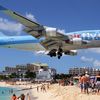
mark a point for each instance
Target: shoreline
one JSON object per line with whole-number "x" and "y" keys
{"x": 55, "y": 92}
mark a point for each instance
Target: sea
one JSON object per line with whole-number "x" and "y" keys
{"x": 6, "y": 93}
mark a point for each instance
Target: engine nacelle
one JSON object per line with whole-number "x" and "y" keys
{"x": 51, "y": 32}
{"x": 76, "y": 41}
{"x": 71, "y": 52}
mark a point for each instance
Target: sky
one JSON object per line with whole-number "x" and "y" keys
{"x": 67, "y": 15}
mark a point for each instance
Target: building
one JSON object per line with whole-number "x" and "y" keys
{"x": 43, "y": 72}
{"x": 52, "y": 71}
{"x": 45, "y": 75}
{"x": 33, "y": 67}
{"x": 83, "y": 70}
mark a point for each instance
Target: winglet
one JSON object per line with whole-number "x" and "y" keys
{"x": 2, "y": 8}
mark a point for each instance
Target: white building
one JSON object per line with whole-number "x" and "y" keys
{"x": 83, "y": 70}
{"x": 44, "y": 75}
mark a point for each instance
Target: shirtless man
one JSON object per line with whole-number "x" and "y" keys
{"x": 14, "y": 97}
{"x": 81, "y": 83}
{"x": 86, "y": 83}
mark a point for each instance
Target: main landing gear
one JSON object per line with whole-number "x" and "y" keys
{"x": 54, "y": 53}
{"x": 59, "y": 53}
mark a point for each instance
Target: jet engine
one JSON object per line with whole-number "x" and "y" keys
{"x": 76, "y": 41}
{"x": 51, "y": 32}
{"x": 71, "y": 52}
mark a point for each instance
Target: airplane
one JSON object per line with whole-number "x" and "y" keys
{"x": 48, "y": 39}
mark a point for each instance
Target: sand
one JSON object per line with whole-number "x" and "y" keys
{"x": 55, "y": 92}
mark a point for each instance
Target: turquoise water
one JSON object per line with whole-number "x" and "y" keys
{"x": 5, "y": 93}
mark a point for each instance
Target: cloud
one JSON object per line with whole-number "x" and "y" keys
{"x": 94, "y": 50}
{"x": 61, "y": 31}
{"x": 85, "y": 59}
{"x": 30, "y": 16}
{"x": 91, "y": 50}
{"x": 96, "y": 63}
{"x": 10, "y": 26}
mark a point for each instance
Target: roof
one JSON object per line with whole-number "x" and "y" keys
{"x": 40, "y": 64}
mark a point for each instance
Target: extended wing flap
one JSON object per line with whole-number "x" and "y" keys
{"x": 37, "y": 32}
{"x": 50, "y": 44}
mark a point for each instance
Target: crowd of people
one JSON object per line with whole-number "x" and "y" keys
{"x": 43, "y": 87}
{"x": 86, "y": 84}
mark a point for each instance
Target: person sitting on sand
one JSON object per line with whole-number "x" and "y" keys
{"x": 14, "y": 97}
{"x": 22, "y": 97}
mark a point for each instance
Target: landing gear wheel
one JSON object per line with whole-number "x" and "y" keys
{"x": 59, "y": 56}
{"x": 52, "y": 53}
{"x": 59, "y": 53}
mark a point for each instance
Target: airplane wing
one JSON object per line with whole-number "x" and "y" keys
{"x": 26, "y": 47}
{"x": 53, "y": 38}
{"x": 31, "y": 27}
{"x": 26, "y": 22}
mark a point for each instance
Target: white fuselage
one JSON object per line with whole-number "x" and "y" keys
{"x": 92, "y": 37}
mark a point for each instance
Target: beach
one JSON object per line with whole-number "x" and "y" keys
{"x": 54, "y": 92}
{"x": 57, "y": 92}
